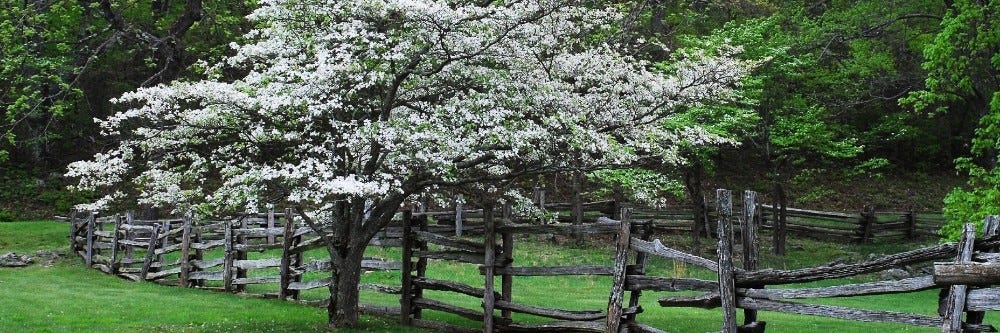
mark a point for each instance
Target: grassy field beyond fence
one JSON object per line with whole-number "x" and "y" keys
{"x": 67, "y": 297}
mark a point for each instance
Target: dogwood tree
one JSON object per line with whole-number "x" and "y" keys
{"x": 345, "y": 108}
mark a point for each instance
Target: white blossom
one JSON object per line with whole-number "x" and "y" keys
{"x": 360, "y": 99}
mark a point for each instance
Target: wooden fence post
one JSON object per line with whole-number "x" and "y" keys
{"x": 285, "y": 277}
{"x": 990, "y": 226}
{"x": 185, "y": 260}
{"x": 911, "y": 223}
{"x": 298, "y": 260}
{"x": 114, "y": 245}
{"x": 506, "y": 279}
{"x": 406, "y": 288}
{"x": 955, "y": 302}
{"x": 154, "y": 237}
{"x": 751, "y": 247}
{"x": 779, "y": 225}
{"x": 638, "y": 269}
{"x": 489, "y": 245}
{"x": 539, "y": 196}
{"x": 227, "y": 264}
{"x": 459, "y": 201}
{"x": 91, "y": 224}
{"x": 165, "y": 243}
{"x": 241, "y": 254}
{"x": 700, "y": 222}
{"x": 199, "y": 254}
{"x": 614, "y": 317}
{"x": 421, "y": 266}
{"x": 270, "y": 223}
{"x": 129, "y": 250}
{"x": 618, "y": 197}
{"x": 727, "y": 287}
{"x": 866, "y": 224}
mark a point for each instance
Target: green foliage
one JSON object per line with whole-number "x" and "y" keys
{"x": 26, "y": 194}
{"x": 870, "y": 168}
{"x": 39, "y": 67}
{"x": 962, "y": 60}
{"x": 791, "y": 124}
{"x": 981, "y": 197}
{"x": 963, "y": 63}
{"x": 968, "y": 206}
{"x": 63, "y": 60}
{"x": 803, "y": 134}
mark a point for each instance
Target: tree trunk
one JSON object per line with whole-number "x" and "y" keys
{"x": 346, "y": 248}
{"x": 346, "y": 238}
{"x": 658, "y": 14}
{"x": 780, "y": 221}
{"x": 149, "y": 213}
{"x": 342, "y": 311}
{"x": 693, "y": 183}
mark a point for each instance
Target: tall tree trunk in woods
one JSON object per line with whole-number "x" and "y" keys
{"x": 780, "y": 221}
{"x": 693, "y": 176}
{"x": 656, "y": 17}
{"x": 773, "y": 162}
{"x": 149, "y": 213}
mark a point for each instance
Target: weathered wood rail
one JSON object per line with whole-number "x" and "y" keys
{"x": 865, "y": 226}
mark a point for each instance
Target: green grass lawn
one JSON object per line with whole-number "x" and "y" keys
{"x": 70, "y": 298}
{"x": 31, "y": 236}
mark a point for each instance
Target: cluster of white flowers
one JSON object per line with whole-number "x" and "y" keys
{"x": 360, "y": 99}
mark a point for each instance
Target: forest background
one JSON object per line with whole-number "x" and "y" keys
{"x": 890, "y": 103}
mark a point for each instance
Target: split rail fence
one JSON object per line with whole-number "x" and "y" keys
{"x": 214, "y": 254}
{"x": 267, "y": 254}
{"x": 966, "y": 280}
{"x": 868, "y": 225}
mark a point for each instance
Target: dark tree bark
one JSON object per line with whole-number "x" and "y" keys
{"x": 346, "y": 236}
{"x": 342, "y": 311}
{"x": 780, "y": 222}
{"x": 693, "y": 176}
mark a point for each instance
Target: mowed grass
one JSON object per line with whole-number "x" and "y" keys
{"x": 32, "y": 236}
{"x": 70, "y": 298}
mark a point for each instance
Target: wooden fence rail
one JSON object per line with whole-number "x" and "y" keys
{"x": 866, "y": 226}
